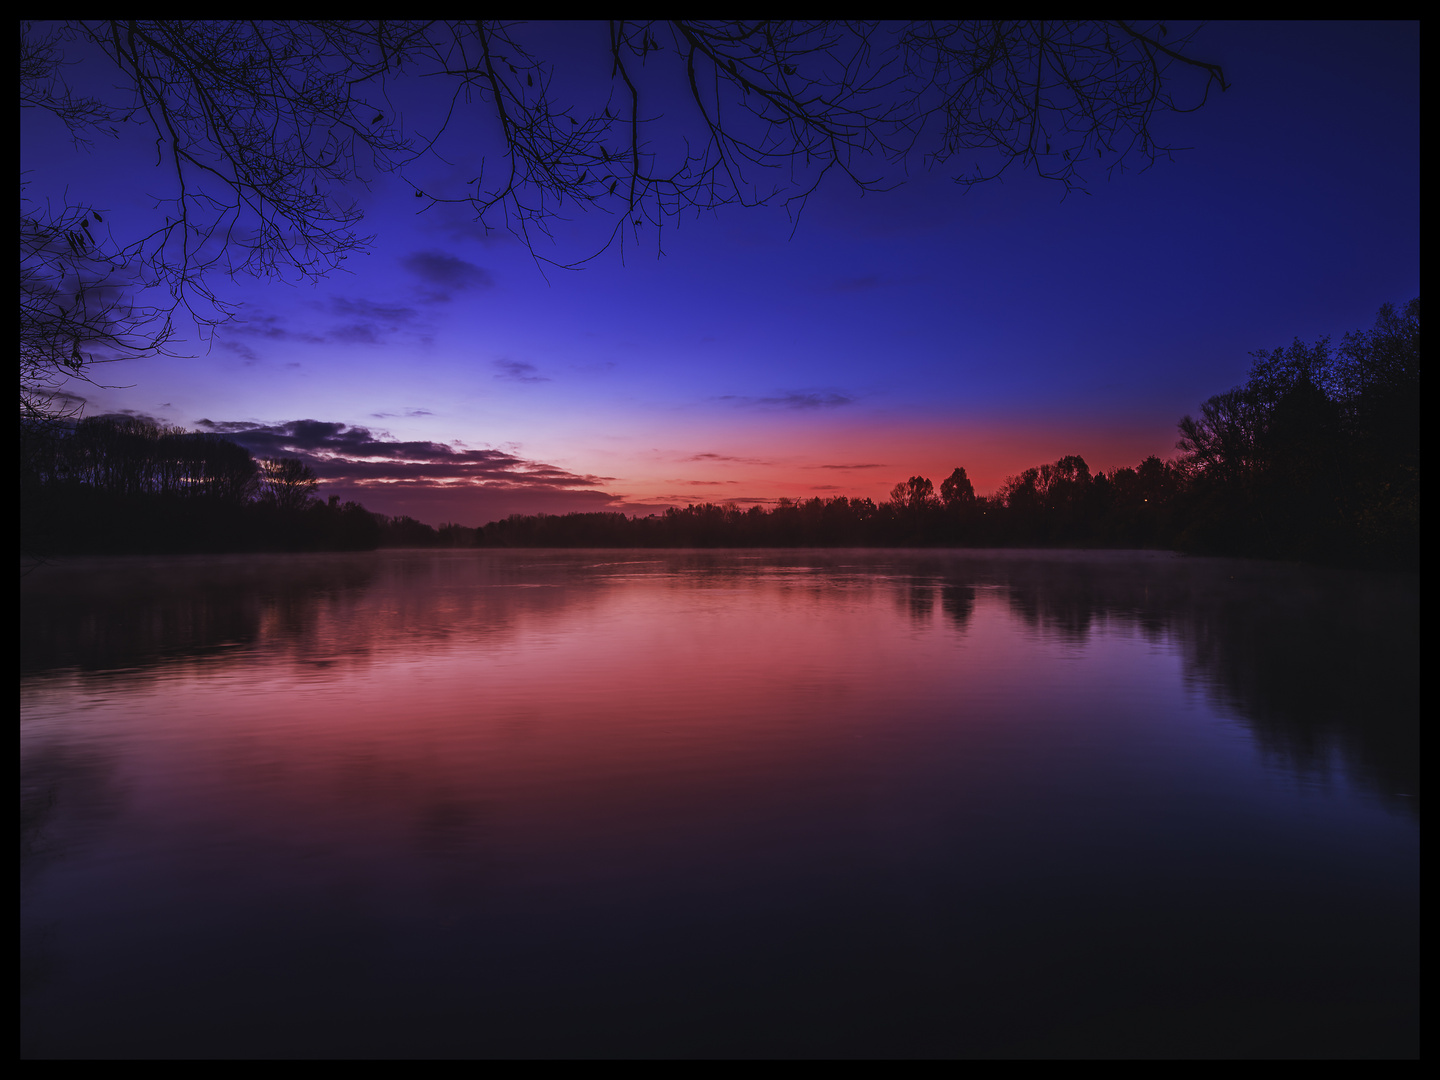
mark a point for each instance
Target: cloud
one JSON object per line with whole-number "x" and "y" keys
{"x": 682, "y": 499}
{"x": 518, "y": 371}
{"x": 67, "y": 402}
{"x": 727, "y": 457}
{"x": 356, "y": 334}
{"x": 369, "y": 309}
{"x": 793, "y": 399}
{"x": 356, "y": 457}
{"x": 240, "y": 349}
{"x": 133, "y": 414}
{"x": 447, "y": 273}
{"x": 271, "y": 327}
{"x": 866, "y": 466}
{"x": 372, "y": 321}
{"x": 369, "y": 322}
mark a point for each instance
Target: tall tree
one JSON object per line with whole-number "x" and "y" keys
{"x": 956, "y": 491}
{"x": 1317, "y": 454}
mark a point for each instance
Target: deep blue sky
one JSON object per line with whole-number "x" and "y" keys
{"x": 894, "y": 334}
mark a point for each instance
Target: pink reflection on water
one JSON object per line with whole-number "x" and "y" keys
{"x": 545, "y": 725}
{"x": 422, "y": 760}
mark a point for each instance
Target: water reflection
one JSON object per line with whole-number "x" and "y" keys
{"x": 1315, "y": 661}
{"x": 716, "y": 803}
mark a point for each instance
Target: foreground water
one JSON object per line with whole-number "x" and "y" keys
{"x": 718, "y": 803}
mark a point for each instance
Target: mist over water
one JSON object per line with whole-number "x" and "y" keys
{"x": 549, "y": 803}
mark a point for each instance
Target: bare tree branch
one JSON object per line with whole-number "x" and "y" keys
{"x": 262, "y": 128}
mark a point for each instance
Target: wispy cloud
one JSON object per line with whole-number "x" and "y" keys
{"x": 727, "y": 458}
{"x": 519, "y": 371}
{"x": 446, "y": 274}
{"x": 357, "y": 334}
{"x": 370, "y": 322}
{"x": 682, "y": 498}
{"x": 365, "y": 322}
{"x": 371, "y": 310}
{"x": 240, "y": 349}
{"x": 271, "y": 328}
{"x": 793, "y": 399}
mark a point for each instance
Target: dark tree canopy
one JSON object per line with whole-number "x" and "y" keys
{"x": 260, "y": 130}
{"x": 1317, "y": 455}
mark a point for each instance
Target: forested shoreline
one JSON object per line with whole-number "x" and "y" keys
{"x": 1314, "y": 458}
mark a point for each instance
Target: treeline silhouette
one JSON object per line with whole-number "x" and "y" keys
{"x": 1052, "y": 505}
{"x": 122, "y": 485}
{"x": 1316, "y": 457}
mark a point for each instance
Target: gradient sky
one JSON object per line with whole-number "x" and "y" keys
{"x": 896, "y": 334}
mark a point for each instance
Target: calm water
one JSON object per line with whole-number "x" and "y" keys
{"x": 718, "y": 803}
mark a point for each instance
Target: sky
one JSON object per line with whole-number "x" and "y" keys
{"x": 449, "y": 376}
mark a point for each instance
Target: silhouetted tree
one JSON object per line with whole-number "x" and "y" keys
{"x": 1317, "y": 455}
{"x": 117, "y": 484}
{"x": 1046, "y": 504}
{"x": 956, "y": 491}
{"x": 227, "y": 471}
{"x": 917, "y": 493}
{"x": 335, "y": 526}
{"x": 1380, "y": 375}
{"x": 288, "y": 482}
{"x": 405, "y": 531}
{"x": 76, "y": 308}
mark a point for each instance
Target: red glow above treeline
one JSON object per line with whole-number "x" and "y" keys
{"x": 857, "y": 464}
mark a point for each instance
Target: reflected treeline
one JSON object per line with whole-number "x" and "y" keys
{"x": 106, "y": 615}
{"x": 1314, "y": 660}
{"x": 1317, "y": 664}
{"x": 127, "y": 617}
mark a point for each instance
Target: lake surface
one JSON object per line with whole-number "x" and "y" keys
{"x": 732, "y": 803}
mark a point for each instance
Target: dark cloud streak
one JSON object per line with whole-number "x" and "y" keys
{"x": 519, "y": 371}
{"x": 709, "y": 457}
{"x": 446, "y": 273}
{"x": 792, "y": 399}
{"x": 358, "y": 457}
